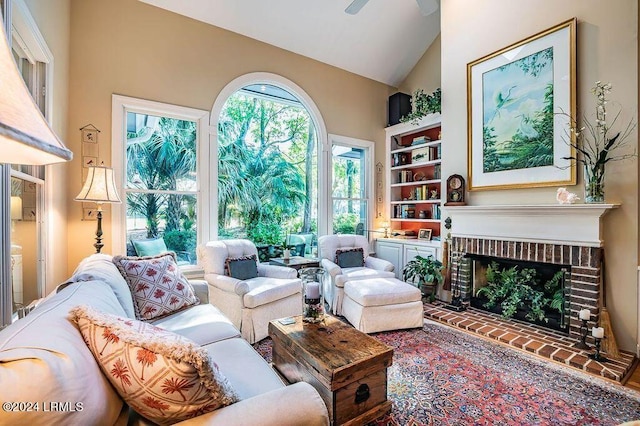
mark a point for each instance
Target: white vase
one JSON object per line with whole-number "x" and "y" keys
{"x": 286, "y": 254}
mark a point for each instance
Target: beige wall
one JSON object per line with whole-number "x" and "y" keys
{"x": 133, "y": 49}
{"x": 607, "y": 51}
{"x": 53, "y": 20}
{"x": 426, "y": 74}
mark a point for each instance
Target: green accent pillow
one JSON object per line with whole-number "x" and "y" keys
{"x": 149, "y": 247}
{"x": 242, "y": 268}
{"x": 350, "y": 258}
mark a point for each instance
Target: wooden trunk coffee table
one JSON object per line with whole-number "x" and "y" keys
{"x": 347, "y": 367}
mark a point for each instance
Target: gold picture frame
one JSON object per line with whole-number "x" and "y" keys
{"x": 519, "y": 100}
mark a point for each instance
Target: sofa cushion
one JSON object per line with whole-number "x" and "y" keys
{"x": 163, "y": 376}
{"x": 246, "y": 370}
{"x": 263, "y": 290}
{"x": 157, "y": 285}
{"x": 242, "y": 268}
{"x": 381, "y": 292}
{"x": 101, "y": 267}
{"x": 203, "y": 324}
{"x": 350, "y": 258}
{"x": 44, "y": 358}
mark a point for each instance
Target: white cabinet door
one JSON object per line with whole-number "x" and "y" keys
{"x": 411, "y": 251}
{"x": 391, "y": 252}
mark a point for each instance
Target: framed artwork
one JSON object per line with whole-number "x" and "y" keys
{"x": 519, "y": 100}
{"x": 89, "y": 135}
{"x": 89, "y": 161}
{"x": 424, "y": 234}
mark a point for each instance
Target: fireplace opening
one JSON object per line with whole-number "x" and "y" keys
{"x": 532, "y": 292}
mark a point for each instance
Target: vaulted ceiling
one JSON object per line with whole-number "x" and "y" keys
{"x": 383, "y": 41}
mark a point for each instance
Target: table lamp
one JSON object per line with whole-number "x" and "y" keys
{"x": 100, "y": 188}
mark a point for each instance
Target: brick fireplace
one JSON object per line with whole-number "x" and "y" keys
{"x": 582, "y": 277}
{"x": 566, "y": 235}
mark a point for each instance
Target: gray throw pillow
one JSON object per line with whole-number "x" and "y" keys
{"x": 350, "y": 258}
{"x": 242, "y": 268}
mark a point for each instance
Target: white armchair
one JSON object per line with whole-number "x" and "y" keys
{"x": 250, "y": 303}
{"x": 328, "y": 245}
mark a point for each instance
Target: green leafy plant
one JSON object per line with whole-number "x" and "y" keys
{"x": 423, "y": 271}
{"x": 513, "y": 289}
{"x": 423, "y": 104}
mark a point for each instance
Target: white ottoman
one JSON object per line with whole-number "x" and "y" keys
{"x": 381, "y": 304}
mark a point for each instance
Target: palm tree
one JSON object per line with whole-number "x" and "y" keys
{"x": 176, "y": 385}
{"x": 110, "y": 337}
{"x": 145, "y": 357}
{"x": 121, "y": 371}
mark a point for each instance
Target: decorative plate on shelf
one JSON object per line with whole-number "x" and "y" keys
{"x": 419, "y": 176}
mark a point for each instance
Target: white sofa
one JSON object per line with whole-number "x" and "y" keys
{"x": 44, "y": 360}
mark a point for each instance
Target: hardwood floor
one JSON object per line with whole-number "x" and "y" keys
{"x": 634, "y": 380}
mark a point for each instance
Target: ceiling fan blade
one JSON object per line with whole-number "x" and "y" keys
{"x": 355, "y": 6}
{"x": 427, "y": 7}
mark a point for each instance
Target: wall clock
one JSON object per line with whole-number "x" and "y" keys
{"x": 455, "y": 191}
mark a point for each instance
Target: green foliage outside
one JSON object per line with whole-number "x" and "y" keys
{"x": 345, "y": 223}
{"x": 163, "y": 161}
{"x": 266, "y": 169}
{"x": 513, "y": 289}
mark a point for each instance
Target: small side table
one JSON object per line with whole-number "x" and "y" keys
{"x": 296, "y": 262}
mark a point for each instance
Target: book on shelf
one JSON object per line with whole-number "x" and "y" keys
{"x": 435, "y": 211}
{"x": 419, "y": 140}
{"x": 405, "y": 176}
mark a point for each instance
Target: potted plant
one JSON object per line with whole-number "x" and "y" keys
{"x": 426, "y": 272}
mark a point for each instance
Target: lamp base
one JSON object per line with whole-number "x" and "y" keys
{"x": 98, "y": 245}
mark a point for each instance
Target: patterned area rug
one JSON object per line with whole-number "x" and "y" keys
{"x": 441, "y": 376}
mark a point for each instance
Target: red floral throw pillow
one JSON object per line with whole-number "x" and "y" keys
{"x": 157, "y": 285}
{"x": 163, "y": 376}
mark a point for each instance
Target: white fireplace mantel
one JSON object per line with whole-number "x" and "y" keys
{"x": 572, "y": 224}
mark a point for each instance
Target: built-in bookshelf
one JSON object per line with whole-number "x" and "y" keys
{"x": 414, "y": 178}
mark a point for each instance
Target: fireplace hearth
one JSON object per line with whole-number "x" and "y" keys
{"x": 556, "y": 236}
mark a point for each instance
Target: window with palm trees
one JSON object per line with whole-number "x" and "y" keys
{"x": 161, "y": 183}
{"x": 267, "y": 167}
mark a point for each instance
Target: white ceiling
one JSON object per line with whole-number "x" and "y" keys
{"x": 383, "y": 41}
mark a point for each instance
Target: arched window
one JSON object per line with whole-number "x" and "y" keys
{"x": 269, "y": 179}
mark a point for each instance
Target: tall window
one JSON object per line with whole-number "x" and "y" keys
{"x": 159, "y": 146}
{"x": 350, "y": 185}
{"x": 267, "y": 168}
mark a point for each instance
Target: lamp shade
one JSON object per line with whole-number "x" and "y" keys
{"x": 25, "y": 135}
{"x": 16, "y": 208}
{"x": 100, "y": 186}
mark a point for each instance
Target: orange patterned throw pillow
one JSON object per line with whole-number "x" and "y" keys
{"x": 157, "y": 285}
{"x": 163, "y": 376}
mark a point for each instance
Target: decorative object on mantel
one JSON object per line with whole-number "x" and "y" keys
{"x": 565, "y": 197}
{"x": 423, "y": 104}
{"x": 597, "y": 144}
{"x": 455, "y": 191}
